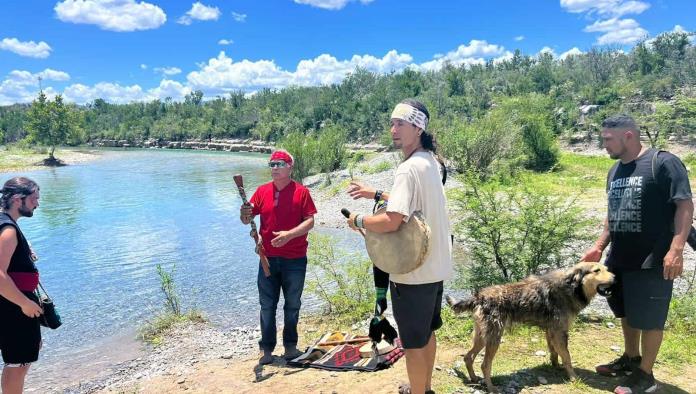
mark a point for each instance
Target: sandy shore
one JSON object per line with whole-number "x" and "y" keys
{"x": 14, "y": 162}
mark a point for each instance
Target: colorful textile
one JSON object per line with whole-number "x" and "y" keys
{"x": 345, "y": 357}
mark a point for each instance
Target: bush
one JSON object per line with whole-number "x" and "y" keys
{"x": 154, "y": 330}
{"x": 533, "y": 114}
{"x": 171, "y": 298}
{"x": 513, "y": 234}
{"x": 330, "y": 150}
{"x": 341, "y": 280}
{"x": 302, "y": 148}
{"x": 482, "y": 146}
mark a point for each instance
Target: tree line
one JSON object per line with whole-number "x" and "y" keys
{"x": 523, "y": 103}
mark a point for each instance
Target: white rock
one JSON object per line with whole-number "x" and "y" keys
{"x": 615, "y": 348}
{"x": 611, "y": 325}
{"x": 540, "y": 353}
{"x": 542, "y": 380}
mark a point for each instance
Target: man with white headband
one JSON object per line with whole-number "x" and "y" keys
{"x": 417, "y": 295}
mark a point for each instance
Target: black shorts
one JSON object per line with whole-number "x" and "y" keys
{"x": 642, "y": 297}
{"x": 20, "y": 336}
{"x": 417, "y": 312}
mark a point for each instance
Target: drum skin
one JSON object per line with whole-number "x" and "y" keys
{"x": 400, "y": 251}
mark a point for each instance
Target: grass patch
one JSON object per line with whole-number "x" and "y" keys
{"x": 590, "y": 344}
{"x": 14, "y": 157}
{"x": 575, "y": 174}
{"x": 155, "y": 331}
{"x": 376, "y": 168}
{"x": 337, "y": 188}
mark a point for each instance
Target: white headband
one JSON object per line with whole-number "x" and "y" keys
{"x": 410, "y": 114}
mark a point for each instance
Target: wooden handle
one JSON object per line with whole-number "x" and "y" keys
{"x": 238, "y": 180}
{"x": 263, "y": 260}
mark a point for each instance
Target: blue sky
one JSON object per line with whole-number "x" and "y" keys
{"x": 127, "y": 50}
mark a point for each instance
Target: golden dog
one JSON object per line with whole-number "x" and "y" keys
{"x": 551, "y": 301}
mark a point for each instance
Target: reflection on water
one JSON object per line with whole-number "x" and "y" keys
{"x": 102, "y": 227}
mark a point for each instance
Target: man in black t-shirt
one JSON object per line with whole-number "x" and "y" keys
{"x": 648, "y": 220}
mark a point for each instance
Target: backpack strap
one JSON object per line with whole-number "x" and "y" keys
{"x": 652, "y": 163}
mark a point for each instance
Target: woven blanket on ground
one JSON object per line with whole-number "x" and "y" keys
{"x": 345, "y": 357}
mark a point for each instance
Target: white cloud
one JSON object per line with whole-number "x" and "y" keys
{"x": 571, "y": 52}
{"x": 475, "y": 53}
{"x": 326, "y": 69}
{"x": 617, "y": 31}
{"x": 12, "y": 92}
{"x": 143, "y": 66}
{"x": 200, "y": 12}
{"x": 225, "y": 41}
{"x": 22, "y": 86}
{"x": 169, "y": 88}
{"x": 239, "y": 17}
{"x": 613, "y": 8}
{"x": 114, "y": 15}
{"x": 548, "y": 50}
{"x": 221, "y": 74}
{"x": 519, "y": 38}
{"x": 27, "y": 48}
{"x": 26, "y": 78}
{"x": 330, "y": 4}
{"x": 111, "y": 92}
{"x": 168, "y": 70}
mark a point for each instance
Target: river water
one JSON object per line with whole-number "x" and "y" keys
{"x": 101, "y": 229}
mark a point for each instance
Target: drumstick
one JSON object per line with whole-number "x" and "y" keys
{"x": 345, "y": 341}
{"x": 346, "y": 213}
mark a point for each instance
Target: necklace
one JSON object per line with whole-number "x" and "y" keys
{"x": 411, "y": 154}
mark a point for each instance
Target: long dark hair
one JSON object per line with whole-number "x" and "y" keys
{"x": 16, "y": 186}
{"x": 427, "y": 139}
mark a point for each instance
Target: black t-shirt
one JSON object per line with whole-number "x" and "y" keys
{"x": 641, "y": 208}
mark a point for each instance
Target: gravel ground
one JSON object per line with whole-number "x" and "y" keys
{"x": 184, "y": 347}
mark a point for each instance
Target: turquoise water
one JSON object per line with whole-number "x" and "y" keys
{"x": 102, "y": 227}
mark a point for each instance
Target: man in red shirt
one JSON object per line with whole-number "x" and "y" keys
{"x": 287, "y": 214}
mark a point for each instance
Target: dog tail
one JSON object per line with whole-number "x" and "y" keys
{"x": 459, "y": 306}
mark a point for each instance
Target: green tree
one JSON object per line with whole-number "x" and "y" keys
{"x": 51, "y": 123}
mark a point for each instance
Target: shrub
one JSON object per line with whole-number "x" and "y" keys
{"x": 482, "y": 145}
{"x": 303, "y": 149}
{"x": 154, "y": 330}
{"x": 533, "y": 113}
{"x": 513, "y": 234}
{"x": 171, "y": 298}
{"x": 330, "y": 150}
{"x": 341, "y": 280}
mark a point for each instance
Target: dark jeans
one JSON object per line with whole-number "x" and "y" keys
{"x": 287, "y": 275}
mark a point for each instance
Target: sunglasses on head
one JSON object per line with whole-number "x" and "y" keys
{"x": 277, "y": 164}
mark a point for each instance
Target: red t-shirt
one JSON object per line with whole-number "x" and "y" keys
{"x": 283, "y": 210}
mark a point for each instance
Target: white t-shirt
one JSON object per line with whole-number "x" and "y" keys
{"x": 418, "y": 187}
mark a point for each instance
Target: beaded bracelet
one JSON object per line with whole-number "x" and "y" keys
{"x": 358, "y": 221}
{"x": 378, "y": 195}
